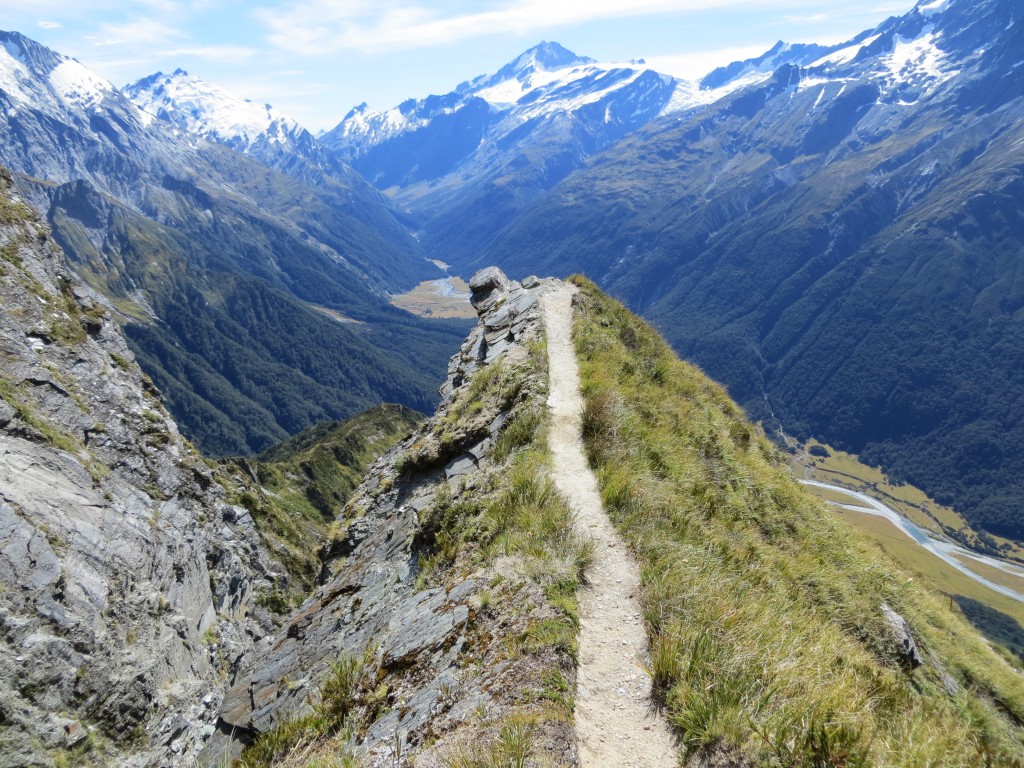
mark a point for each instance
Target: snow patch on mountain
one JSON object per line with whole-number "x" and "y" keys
{"x": 12, "y": 73}
{"x": 77, "y": 86}
{"x": 846, "y": 54}
{"x": 913, "y": 59}
{"x": 202, "y": 108}
{"x": 933, "y": 7}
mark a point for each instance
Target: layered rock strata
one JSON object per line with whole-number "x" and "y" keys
{"x": 128, "y": 585}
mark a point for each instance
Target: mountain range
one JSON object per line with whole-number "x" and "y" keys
{"x": 833, "y": 231}
{"x": 838, "y": 243}
{"x": 256, "y": 298}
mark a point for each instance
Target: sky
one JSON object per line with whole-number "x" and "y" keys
{"x": 316, "y": 59}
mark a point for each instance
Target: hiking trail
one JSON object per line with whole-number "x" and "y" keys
{"x": 616, "y": 720}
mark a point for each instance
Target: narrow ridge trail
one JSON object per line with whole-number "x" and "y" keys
{"x": 616, "y": 722}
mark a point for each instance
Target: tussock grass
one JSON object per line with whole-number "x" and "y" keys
{"x": 762, "y": 606}
{"x": 346, "y": 700}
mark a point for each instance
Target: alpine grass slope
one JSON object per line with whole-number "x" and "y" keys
{"x": 780, "y": 636}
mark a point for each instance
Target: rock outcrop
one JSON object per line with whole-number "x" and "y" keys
{"x": 128, "y": 585}
{"x": 442, "y": 662}
{"x": 903, "y": 646}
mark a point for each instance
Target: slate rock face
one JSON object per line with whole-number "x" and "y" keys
{"x": 127, "y": 583}
{"x": 418, "y": 636}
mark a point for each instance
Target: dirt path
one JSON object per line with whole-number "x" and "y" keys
{"x": 615, "y": 720}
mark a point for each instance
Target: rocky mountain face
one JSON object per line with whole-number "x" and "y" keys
{"x": 838, "y": 243}
{"x": 255, "y": 300}
{"x": 495, "y": 142}
{"x": 131, "y": 587}
{"x": 419, "y": 578}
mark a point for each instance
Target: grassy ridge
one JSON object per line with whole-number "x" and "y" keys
{"x": 768, "y": 640}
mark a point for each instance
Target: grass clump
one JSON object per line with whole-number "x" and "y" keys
{"x": 347, "y": 700}
{"x": 763, "y": 608}
{"x": 512, "y": 748}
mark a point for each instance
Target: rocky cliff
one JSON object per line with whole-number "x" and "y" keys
{"x": 135, "y": 618}
{"x": 447, "y": 599}
{"x": 130, "y": 587}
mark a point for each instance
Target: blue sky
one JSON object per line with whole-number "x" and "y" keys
{"x": 315, "y": 59}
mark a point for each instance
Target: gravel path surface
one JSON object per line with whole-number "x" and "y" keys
{"x": 616, "y": 721}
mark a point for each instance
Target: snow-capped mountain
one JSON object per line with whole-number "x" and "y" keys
{"x": 198, "y": 107}
{"x": 45, "y": 98}
{"x": 489, "y": 116}
{"x": 498, "y": 140}
{"x": 41, "y": 79}
{"x": 906, "y": 56}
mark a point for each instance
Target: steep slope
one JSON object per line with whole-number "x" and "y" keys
{"x": 779, "y": 634}
{"x": 838, "y": 245}
{"x": 444, "y": 627}
{"x": 294, "y": 489}
{"x": 221, "y": 264}
{"x": 129, "y": 583}
{"x": 481, "y": 152}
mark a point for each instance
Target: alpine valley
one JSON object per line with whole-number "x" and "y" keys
{"x": 254, "y": 514}
{"x": 253, "y": 292}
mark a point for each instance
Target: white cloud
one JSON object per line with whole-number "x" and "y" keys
{"x": 160, "y": 6}
{"x": 326, "y": 26}
{"x": 141, "y": 32}
{"x": 229, "y": 53}
{"x": 49, "y": 24}
{"x": 814, "y": 18}
{"x": 693, "y": 66}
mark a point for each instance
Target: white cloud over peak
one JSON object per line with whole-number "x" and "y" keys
{"x": 325, "y": 26}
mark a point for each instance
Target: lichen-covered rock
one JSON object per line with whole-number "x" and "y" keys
{"x": 127, "y": 584}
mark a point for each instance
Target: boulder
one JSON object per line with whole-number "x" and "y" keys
{"x": 486, "y": 288}
{"x": 903, "y": 639}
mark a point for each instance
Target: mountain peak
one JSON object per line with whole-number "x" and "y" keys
{"x": 198, "y": 106}
{"x": 549, "y": 56}
{"x": 31, "y": 54}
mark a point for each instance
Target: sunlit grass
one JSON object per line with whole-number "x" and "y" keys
{"x": 762, "y": 606}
